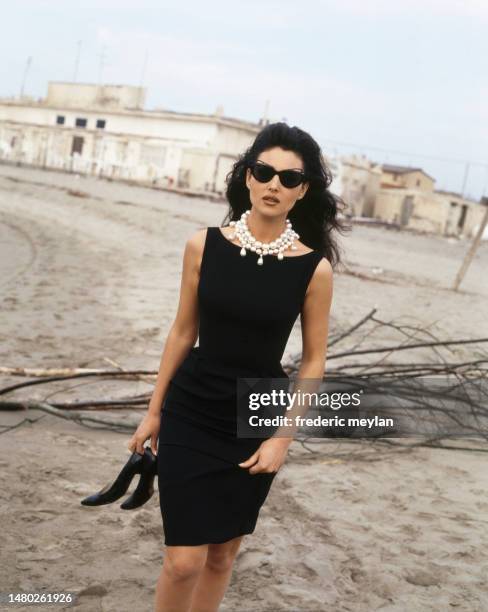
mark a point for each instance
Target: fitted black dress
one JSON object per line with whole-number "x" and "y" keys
{"x": 246, "y": 314}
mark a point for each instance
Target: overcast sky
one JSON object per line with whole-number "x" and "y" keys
{"x": 402, "y": 81}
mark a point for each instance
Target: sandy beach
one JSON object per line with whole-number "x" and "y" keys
{"x": 89, "y": 274}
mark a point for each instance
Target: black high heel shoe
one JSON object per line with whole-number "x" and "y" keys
{"x": 137, "y": 464}
{"x": 145, "y": 488}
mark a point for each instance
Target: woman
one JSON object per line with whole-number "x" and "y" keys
{"x": 240, "y": 298}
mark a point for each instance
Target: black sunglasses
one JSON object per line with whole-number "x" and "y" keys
{"x": 288, "y": 178}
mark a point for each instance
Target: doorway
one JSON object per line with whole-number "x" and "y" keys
{"x": 77, "y": 145}
{"x": 406, "y": 211}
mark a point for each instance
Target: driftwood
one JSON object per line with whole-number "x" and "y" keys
{"x": 63, "y": 373}
{"x": 94, "y": 422}
{"x": 53, "y": 374}
{"x": 468, "y": 374}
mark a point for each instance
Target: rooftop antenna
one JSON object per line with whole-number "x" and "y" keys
{"x": 143, "y": 71}
{"x": 77, "y": 61}
{"x": 101, "y": 65}
{"x": 266, "y": 112}
{"x": 26, "y": 70}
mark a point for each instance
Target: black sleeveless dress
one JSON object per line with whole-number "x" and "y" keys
{"x": 246, "y": 313}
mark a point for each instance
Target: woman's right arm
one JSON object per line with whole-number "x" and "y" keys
{"x": 181, "y": 338}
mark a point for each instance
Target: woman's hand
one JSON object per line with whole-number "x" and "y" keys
{"x": 148, "y": 428}
{"x": 269, "y": 457}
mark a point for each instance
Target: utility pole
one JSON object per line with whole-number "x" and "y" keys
{"x": 485, "y": 188}
{"x": 77, "y": 61}
{"x": 26, "y": 70}
{"x": 465, "y": 180}
{"x": 474, "y": 245}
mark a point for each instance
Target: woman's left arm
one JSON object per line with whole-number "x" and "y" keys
{"x": 314, "y": 318}
{"x": 315, "y": 322}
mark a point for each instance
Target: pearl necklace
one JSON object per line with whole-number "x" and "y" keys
{"x": 248, "y": 241}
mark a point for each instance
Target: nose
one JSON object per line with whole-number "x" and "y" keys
{"x": 275, "y": 182}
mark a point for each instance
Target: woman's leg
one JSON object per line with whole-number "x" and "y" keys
{"x": 182, "y": 566}
{"x": 215, "y": 576}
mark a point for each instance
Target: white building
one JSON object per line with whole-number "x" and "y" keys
{"x": 104, "y": 130}
{"x": 356, "y": 180}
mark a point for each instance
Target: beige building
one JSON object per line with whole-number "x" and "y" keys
{"x": 404, "y": 177}
{"x": 105, "y": 131}
{"x": 407, "y": 198}
{"x": 463, "y": 216}
{"x": 438, "y": 212}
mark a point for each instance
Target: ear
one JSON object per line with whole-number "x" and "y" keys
{"x": 303, "y": 191}
{"x": 248, "y": 178}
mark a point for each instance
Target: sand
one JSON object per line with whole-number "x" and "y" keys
{"x": 91, "y": 278}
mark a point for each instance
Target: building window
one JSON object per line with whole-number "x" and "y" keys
{"x": 418, "y": 182}
{"x": 60, "y": 119}
{"x": 101, "y": 123}
{"x": 80, "y": 122}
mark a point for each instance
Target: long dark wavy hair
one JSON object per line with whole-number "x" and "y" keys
{"x": 314, "y": 217}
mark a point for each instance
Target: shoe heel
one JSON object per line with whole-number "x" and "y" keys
{"x": 113, "y": 492}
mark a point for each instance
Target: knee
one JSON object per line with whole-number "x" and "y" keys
{"x": 220, "y": 561}
{"x": 180, "y": 569}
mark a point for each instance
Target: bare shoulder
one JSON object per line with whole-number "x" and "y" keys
{"x": 195, "y": 244}
{"x": 321, "y": 281}
{"x": 197, "y": 240}
{"x": 323, "y": 272}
